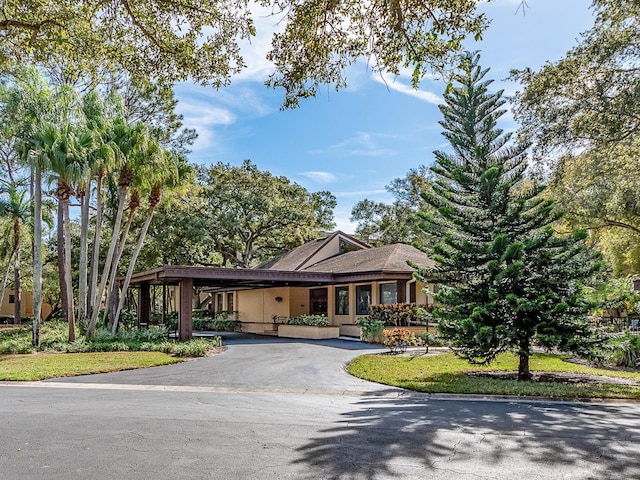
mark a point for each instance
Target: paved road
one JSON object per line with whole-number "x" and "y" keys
{"x": 274, "y": 409}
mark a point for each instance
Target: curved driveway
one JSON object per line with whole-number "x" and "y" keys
{"x": 269, "y": 408}
{"x": 258, "y": 363}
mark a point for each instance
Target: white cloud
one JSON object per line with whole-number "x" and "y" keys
{"x": 361, "y": 193}
{"x": 362, "y": 145}
{"x": 398, "y": 85}
{"x": 320, "y": 177}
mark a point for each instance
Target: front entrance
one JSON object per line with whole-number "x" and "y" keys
{"x": 318, "y": 299}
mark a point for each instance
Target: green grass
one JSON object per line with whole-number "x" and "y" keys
{"x": 40, "y": 366}
{"x": 447, "y": 374}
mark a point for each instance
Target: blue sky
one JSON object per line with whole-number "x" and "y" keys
{"x": 354, "y": 142}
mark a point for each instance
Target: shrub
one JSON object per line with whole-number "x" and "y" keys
{"x": 626, "y": 351}
{"x": 400, "y": 314}
{"x": 309, "y": 320}
{"x": 397, "y": 339}
{"x": 371, "y": 329}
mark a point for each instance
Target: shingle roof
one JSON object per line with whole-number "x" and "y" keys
{"x": 297, "y": 258}
{"x": 389, "y": 258}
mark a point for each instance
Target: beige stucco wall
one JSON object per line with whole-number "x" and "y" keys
{"x": 26, "y": 306}
{"x": 261, "y": 306}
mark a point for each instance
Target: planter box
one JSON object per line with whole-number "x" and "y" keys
{"x": 304, "y": 331}
{"x": 349, "y": 330}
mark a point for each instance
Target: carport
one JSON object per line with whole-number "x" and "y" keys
{"x": 225, "y": 279}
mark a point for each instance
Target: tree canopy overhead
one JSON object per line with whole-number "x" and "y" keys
{"x": 589, "y": 98}
{"x": 165, "y": 40}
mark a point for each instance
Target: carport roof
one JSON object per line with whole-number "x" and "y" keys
{"x": 299, "y": 267}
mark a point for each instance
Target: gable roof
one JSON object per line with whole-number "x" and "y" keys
{"x": 388, "y": 258}
{"x": 311, "y": 253}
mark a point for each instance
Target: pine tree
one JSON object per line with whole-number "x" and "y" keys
{"x": 505, "y": 278}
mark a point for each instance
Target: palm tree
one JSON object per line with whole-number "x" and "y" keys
{"x": 17, "y": 209}
{"x": 27, "y": 105}
{"x": 171, "y": 174}
{"x": 133, "y": 143}
{"x": 69, "y": 166}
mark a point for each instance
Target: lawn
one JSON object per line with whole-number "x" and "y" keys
{"x": 40, "y": 366}
{"x": 448, "y": 374}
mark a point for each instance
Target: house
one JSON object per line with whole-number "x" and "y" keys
{"x": 26, "y": 305}
{"x": 337, "y": 276}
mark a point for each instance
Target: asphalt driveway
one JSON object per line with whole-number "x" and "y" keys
{"x": 270, "y": 408}
{"x": 258, "y": 363}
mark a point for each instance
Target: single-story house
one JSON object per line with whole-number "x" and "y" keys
{"x": 337, "y": 276}
{"x": 26, "y": 305}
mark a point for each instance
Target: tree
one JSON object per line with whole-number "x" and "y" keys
{"x": 198, "y": 39}
{"x": 506, "y": 277}
{"x": 27, "y": 106}
{"x": 382, "y": 224}
{"x": 173, "y": 175}
{"x": 17, "y": 209}
{"x": 133, "y": 143}
{"x": 68, "y": 165}
{"x": 600, "y": 191}
{"x": 588, "y": 99}
{"x": 255, "y": 215}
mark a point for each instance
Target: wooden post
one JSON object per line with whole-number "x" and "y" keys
{"x": 144, "y": 305}
{"x": 402, "y": 291}
{"x": 186, "y": 306}
{"x": 164, "y": 304}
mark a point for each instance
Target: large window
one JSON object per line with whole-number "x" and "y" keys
{"x": 230, "y": 302}
{"x": 318, "y": 301}
{"x": 389, "y": 293}
{"x": 363, "y": 299}
{"x": 342, "y": 300}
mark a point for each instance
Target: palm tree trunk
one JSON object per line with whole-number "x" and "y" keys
{"x": 67, "y": 269}
{"x": 107, "y": 265}
{"x": 110, "y": 307}
{"x": 95, "y": 254}
{"x": 17, "y": 307}
{"x": 64, "y": 299}
{"x": 37, "y": 257}
{"x": 132, "y": 264}
{"x": 83, "y": 263}
{"x": 6, "y": 276}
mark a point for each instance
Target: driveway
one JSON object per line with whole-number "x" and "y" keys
{"x": 258, "y": 363}
{"x": 270, "y": 408}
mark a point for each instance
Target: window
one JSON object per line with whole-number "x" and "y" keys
{"x": 342, "y": 300}
{"x": 230, "y": 302}
{"x": 219, "y": 302}
{"x": 412, "y": 292}
{"x": 318, "y": 301}
{"x": 12, "y": 299}
{"x": 363, "y": 297}
{"x": 389, "y": 293}
{"x": 347, "y": 247}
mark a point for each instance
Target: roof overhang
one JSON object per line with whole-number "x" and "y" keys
{"x": 238, "y": 278}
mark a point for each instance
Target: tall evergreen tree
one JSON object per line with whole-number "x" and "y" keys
{"x": 505, "y": 277}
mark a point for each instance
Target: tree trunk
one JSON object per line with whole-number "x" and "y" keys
{"x": 17, "y": 307}
{"x": 523, "y": 366}
{"x": 132, "y": 263}
{"x": 83, "y": 263}
{"x": 6, "y": 276}
{"x": 37, "y": 257}
{"x": 112, "y": 291}
{"x": 64, "y": 299}
{"x": 67, "y": 269}
{"x": 95, "y": 254}
{"x": 107, "y": 265}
